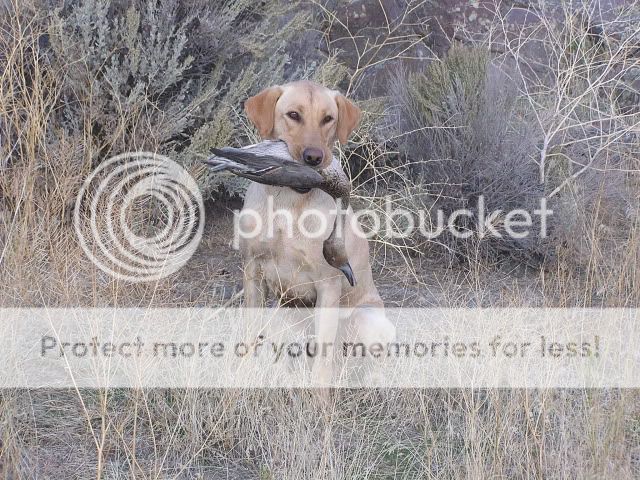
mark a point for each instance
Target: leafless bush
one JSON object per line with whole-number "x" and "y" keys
{"x": 576, "y": 68}
{"x": 550, "y": 116}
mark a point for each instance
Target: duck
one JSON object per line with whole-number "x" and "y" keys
{"x": 270, "y": 163}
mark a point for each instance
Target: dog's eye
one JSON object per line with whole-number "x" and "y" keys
{"x": 327, "y": 119}
{"x": 294, "y": 116}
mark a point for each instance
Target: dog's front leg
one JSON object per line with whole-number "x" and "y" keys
{"x": 254, "y": 285}
{"x": 255, "y": 295}
{"x": 326, "y": 318}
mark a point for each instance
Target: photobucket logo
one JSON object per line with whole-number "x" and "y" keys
{"x": 112, "y": 216}
{"x": 391, "y": 222}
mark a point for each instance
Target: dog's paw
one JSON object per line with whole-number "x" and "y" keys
{"x": 321, "y": 374}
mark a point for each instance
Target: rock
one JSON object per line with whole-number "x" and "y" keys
{"x": 429, "y": 30}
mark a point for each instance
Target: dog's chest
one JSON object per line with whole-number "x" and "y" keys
{"x": 288, "y": 246}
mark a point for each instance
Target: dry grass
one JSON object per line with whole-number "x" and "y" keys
{"x": 362, "y": 433}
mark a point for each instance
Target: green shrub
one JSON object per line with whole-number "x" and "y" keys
{"x": 86, "y": 80}
{"x": 163, "y": 76}
{"x": 463, "y": 138}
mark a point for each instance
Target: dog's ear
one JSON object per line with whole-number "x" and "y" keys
{"x": 348, "y": 118}
{"x": 261, "y": 110}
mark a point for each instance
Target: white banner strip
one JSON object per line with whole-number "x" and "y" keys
{"x": 236, "y": 348}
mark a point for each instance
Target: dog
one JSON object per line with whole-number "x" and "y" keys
{"x": 281, "y": 260}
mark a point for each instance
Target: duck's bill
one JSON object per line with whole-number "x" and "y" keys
{"x": 348, "y": 272}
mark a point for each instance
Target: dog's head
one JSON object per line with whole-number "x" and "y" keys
{"x": 307, "y": 116}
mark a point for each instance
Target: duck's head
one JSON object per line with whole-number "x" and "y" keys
{"x": 335, "y": 254}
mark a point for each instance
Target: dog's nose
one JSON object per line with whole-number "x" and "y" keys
{"x": 313, "y": 156}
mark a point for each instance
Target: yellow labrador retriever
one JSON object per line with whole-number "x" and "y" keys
{"x": 282, "y": 259}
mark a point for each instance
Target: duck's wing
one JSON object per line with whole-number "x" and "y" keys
{"x": 260, "y": 166}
